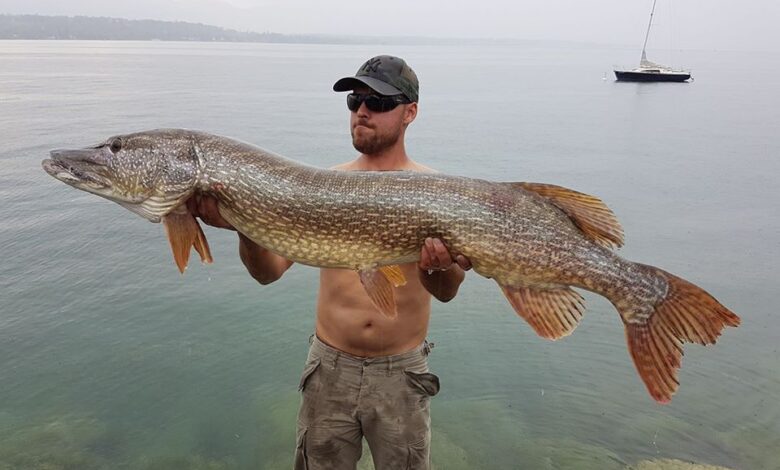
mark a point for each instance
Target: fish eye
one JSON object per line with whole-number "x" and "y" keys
{"x": 115, "y": 145}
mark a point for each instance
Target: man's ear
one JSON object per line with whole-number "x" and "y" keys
{"x": 410, "y": 113}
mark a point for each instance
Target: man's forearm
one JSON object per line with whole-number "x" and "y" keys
{"x": 443, "y": 284}
{"x": 263, "y": 265}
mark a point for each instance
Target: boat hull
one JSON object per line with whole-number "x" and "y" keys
{"x": 631, "y": 76}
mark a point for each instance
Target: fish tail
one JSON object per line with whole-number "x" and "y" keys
{"x": 655, "y": 334}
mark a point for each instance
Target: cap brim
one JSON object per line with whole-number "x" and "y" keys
{"x": 350, "y": 83}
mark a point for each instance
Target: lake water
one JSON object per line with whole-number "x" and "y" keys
{"x": 109, "y": 359}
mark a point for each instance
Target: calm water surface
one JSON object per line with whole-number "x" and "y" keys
{"x": 110, "y": 359}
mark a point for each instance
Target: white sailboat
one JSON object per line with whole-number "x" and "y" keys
{"x": 650, "y": 71}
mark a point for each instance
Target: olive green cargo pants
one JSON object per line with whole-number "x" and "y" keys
{"x": 346, "y": 398}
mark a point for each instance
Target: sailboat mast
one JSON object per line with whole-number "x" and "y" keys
{"x": 647, "y": 34}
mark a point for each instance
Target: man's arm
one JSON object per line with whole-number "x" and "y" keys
{"x": 439, "y": 273}
{"x": 263, "y": 265}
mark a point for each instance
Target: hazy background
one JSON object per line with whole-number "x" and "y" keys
{"x": 689, "y": 24}
{"x": 111, "y": 360}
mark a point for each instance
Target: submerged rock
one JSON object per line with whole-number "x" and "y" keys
{"x": 672, "y": 464}
{"x": 445, "y": 455}
{"x": 58, "y": 443}
{"x": 185, "y": 463}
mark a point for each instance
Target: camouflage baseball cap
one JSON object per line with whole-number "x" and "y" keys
{"x": 384, "y": 74}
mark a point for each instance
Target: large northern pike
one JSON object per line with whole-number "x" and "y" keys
{"x": 536, "y": 240}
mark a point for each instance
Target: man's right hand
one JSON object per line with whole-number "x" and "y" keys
{"x": 205, "y": 207}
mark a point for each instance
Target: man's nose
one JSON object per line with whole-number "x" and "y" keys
{"x": 363, "y": 110}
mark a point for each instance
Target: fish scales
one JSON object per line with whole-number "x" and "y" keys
{"x": 345, "y": 213}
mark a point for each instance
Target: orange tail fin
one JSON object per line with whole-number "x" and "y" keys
{"x": 686, "y": 314}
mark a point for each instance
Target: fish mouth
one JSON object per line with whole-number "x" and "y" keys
{"x": 79, "y": 168}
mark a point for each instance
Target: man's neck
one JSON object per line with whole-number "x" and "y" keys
{"x": 393, "y": 158}
{"x": 383, "y": 162}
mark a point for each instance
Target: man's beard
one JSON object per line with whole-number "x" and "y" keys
{"x": 374, "y": 144}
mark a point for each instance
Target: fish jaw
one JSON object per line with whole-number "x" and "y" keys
{"x": 83, "y": 169}
{"x": 88, "y": 170}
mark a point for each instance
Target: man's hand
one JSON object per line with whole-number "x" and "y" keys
{"x": 435, "y": 257}
{"x": 263, "y": 265}
{"x": 205, "y": 207}
{"x": 439, "y": 273}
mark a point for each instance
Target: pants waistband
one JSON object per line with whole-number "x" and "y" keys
{"x": 402, "y": 360}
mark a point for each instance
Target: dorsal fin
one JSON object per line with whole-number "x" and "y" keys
{"x": 588, "y": 213}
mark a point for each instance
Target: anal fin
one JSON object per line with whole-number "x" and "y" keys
{"x": 184, "y": 233}
{"x": 380, "y": 290}
{"x": 552, "y": 313}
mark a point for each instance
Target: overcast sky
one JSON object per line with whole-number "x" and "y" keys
{"x": 678, "y": 24}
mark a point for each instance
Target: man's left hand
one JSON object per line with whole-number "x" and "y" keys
{"x": 434, "y": 256}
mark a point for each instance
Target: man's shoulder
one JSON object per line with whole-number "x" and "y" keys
{"x": 422, "y": 168}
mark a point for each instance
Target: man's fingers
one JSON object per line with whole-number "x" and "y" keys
{"x": 435, "y": 255}
{"x": 430, "y": 247}
{"x": 428, "y": 255}
{"x": 206, "y": 208}
{"x": 463, "y": 262}
{"x": 442, "y": 254}
{"x": 425, "y": 258}
{"x": 196, "y": 206}
{"x": 192, "y": 206}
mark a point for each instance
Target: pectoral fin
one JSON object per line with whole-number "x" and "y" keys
{"x": 552, "y": 313}
{"x": 380, "y": 289}
{"x": 201, "y": 245}
{"x": 184, "y": 233}
{"x": 394, "y": 274}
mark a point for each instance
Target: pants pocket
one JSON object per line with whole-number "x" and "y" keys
{"x": 307, "y": 372}
{"x": 425, "y": 382}
{"x": 301, "y": 458}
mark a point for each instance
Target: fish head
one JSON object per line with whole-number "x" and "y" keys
{"x": 150, "y": 173}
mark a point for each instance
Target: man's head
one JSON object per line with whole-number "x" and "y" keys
{"x": 383, "y": 102}
{"x": 385, "y": 74}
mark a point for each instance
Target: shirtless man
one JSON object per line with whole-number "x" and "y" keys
{"x": 367, "y": 375}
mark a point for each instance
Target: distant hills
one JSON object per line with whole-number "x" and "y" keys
{"x": 119, "y": 29}
{"x": 87, "y": 27}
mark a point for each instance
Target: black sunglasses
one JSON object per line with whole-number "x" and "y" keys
{"x": 375, "y": 103}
